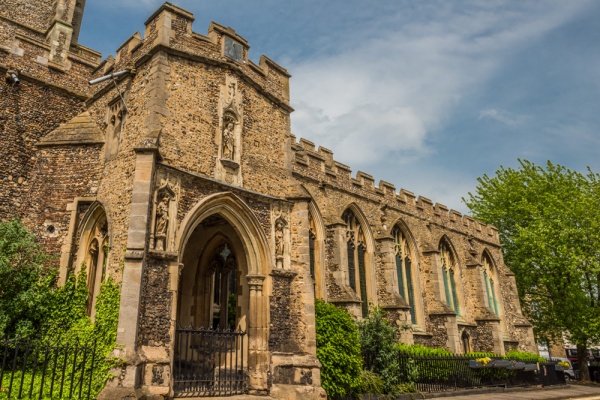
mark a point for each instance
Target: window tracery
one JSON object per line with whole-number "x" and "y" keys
{"x": 490, "y": 280}
{"x": 449, "y": 274}
{"x": 356, "y": 250}
{"x": 404, "y": 271}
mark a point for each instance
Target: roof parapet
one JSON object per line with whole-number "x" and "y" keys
{"x": 321, "y": 161}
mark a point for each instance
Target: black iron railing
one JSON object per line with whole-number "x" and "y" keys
{"x": 446, "y": 373}
{"x": 209, "y": 362}
{"x": 36, "y": 369}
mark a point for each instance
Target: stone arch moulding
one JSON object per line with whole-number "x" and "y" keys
{"x": 369, "y": 243}
{"x": 93, "y": 247}
{"x": 241, "y": 218}
{"x": 415, "y": 268}
{"x": 364, "y": 223}
{"x": 259, "y": 265}
{"x": 496, "y": 295}
{"x": 453, "y": 280}
{"x": 320, "y": 234}
{"x": 411, "y": 239}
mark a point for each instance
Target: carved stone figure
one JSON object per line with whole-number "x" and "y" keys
{"x": 279, "y": 238}
{"x": 228, "y": 141}
{"x": 162, "y": 222}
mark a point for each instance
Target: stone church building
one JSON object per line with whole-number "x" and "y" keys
{"x": 178, "y": 175}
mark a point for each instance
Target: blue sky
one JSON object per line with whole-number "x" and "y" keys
{"x": 427, "y": 95}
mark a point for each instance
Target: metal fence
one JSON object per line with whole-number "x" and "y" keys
{"x": 35, "y": 369}
{"x": 447, "y": 373}
{"x": 209, "y": 362}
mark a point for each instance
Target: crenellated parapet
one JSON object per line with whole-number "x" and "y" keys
{"x": 319, "y": 166}
{"x": 169, "y": 30}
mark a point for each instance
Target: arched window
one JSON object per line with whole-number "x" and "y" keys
{"x": 355, "y": 245}
{"x": 449, "y": 274}
{"x": 312, "y": 239}
{"x": 221, "y": 277}
{"x": 404, "y": 263}
{"x": 316, "y": 232}
{"x": 93, "y": 254}
{"x": 466, "y": 342}
{"x": 490, "y": 280}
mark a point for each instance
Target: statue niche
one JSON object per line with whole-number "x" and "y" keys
{"x": 162, "y": 235}
{"x": 228, "y": 136}
{"x": 280, "y": 224}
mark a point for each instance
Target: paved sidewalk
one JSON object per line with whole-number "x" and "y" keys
{"x": 573, "y": 391}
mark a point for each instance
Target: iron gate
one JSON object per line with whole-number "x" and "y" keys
{"x": 209, "y": 362}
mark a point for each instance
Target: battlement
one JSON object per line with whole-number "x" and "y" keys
{"x": 170, "y": 29}
{"x": 318, "y": 165}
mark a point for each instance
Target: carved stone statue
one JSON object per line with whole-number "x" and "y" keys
{"x": 279, "y": 238}
{"x": 228, "y": 141}
{"x": 162, "y": 222}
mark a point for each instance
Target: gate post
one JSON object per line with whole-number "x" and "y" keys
{"x": 258, "y": 355}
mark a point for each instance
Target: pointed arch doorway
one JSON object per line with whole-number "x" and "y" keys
{"x": 211, "y": 349}
{"x": 224, "y": 259}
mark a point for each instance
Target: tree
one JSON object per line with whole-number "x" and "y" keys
{"x": 25, "y": 280}
{"x": 548, "y": 220}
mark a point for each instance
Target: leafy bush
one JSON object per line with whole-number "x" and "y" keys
{"x": 338, "y": 350}
{"x": 370, "y": 382}
{"x": 418, "y": 350}
{"x": 377, "y": 337}
{"x": 77, "y": 333}
{"x": 26, "y": 282}
{"x": 516, "y": 355}
{"x": 31, "y": 306}
{"x": 524, "y": 356}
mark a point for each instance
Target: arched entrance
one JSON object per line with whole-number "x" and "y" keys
{"x": 211, "y": 336}
{"x": 221, "y": 328}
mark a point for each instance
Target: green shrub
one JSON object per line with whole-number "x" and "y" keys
{"x": 377, "y": 336}
{"x": 25, "y": 281}
{"x": 371, "y": 382}
{"x": 32, "y": 306}
{"x": 418, "y": 350}
{"x": 524, "y": 356}
{"x": 338, "y": 350}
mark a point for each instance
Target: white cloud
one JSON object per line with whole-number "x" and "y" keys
{"x": 385, "y": 95}
{"x": 500, "y": 116}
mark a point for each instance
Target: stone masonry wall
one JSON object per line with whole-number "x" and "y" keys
{"x": 22, "y": 124}
{"x": 155, "y": 306}
{"x": 155, "y": 310}
{"x": 333, "y": 190}
{"x": 61, "y": 174}
{"x": 35, "y": 14}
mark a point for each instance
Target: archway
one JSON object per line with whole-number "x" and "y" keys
{"x": 222, "y": 312}
{"x": 212, "y": 290}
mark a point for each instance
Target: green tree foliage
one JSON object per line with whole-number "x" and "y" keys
{"x": 338, "y": 350}
{"x": 377, "y": 337}
{"x": 31, "y": 305}
{"x": 25, "y": 280}
{"x": 549, "y": 225}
